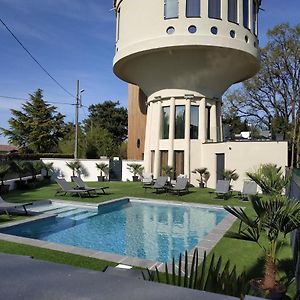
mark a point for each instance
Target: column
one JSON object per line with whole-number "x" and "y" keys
{"x": 147, "y": 150}
{"x": 251, "y": 16}
{"x": 171, "y": 133}
{"x": 220, "y": 122}
{"x": 224, "y": 10}
{"x": 202, "y": 123}
{"x": 213, "y": 122}
{"x": 156, "y": 117}
{"x": 240, "y": 12}
{"x": 204, "y": 9}
{"x": 187, "y": 139}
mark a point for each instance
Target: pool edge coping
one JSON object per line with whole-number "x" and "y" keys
{"x": 205, "y": 245}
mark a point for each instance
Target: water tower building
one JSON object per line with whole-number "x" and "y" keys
{"x": 183, "y": 55}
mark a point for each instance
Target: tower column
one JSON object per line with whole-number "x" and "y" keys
{"x": 202, "y": 122}
{"x": 157, "y": 152}
{"x": 171, "y": 133}
{"x": 147, "y": 150}
{"x": 187, "y": 148}
{"x": 213, "y": 122}
{"x": 219, "y": 121}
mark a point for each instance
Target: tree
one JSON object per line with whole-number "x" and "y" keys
{"x": 108, "y": 116}
{"x": 37, "y": 127}
{"x": 99, "y": 142}
{"x": 272, "y": 98}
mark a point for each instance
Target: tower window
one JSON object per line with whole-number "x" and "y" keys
{"x": 232, "y": 11}
{"x": 255, "y": 13}
{"x": 165, "y": 122}
{"x": 118, "y": 23}
{"x": 208, "y": 108}
{"x": 214, "y": 30}
{"x": 192, "y": 29}
{"x": 171, "y": 9}
{"x": 214, "y": 9}
{"x": 179, "y": 121}
{"x": 194, "y": 125}
{"x": 170, "y": 30}
{"x": 246, "y": 13}
{"x": 192, "y": 8}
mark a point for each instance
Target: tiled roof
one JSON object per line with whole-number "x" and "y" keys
{"x": 7, "y": 148}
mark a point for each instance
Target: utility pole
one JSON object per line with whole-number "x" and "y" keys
{"x": 76, "y": 120}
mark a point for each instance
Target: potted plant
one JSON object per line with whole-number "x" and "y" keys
{"x": 136, "y": 169}
{"x": 48, "y": 167}
{"x": 273, "y": 219}
{"x": 35, "y": 168}
{"x": 76, "y": 167}
{"x": 230, "y": 175}
{"x": 204, "y": 176}
{"x": 4, "y": 170}
{"x": 168, "y": 171}
{"x": 103, "y": 169}
{"x": 270, "y": 178}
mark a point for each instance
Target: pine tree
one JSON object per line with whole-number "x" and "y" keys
{"x": 36, "y": 128}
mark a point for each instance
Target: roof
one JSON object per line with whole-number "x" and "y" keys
{"x": 8, "y": 148}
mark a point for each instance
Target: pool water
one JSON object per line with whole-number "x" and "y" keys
{"x": 147, "y": 230}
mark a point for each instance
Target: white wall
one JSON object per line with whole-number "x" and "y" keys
{"x": 63, "y": 170}
{"x": 126, "y": 174}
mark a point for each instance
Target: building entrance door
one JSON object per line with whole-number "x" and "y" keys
{"x": 220, "y": 157}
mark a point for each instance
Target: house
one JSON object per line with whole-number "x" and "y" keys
{"x": 179, "y": 57}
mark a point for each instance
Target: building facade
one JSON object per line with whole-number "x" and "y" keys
{"x": 183, "y": 55}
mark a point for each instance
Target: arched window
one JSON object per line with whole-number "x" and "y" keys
{"x": 214, "y": 9}
{"x": 192, "y": 8}
{"x": 171, "y": 9}
{"x": 232, "y": 11}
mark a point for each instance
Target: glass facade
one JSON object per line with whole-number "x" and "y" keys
{"x": 214, "y": 9}
{"x": 194, "y": 126}
{"x": 179, "y": 121}
{"x": 171, "y": 9}
{"x": 232, "y": 11}
{"x": 165, "y": 122}
{"x": 192, "y": 8}
{"x": 246, "y": 13}
{"x": 255, "y": 12}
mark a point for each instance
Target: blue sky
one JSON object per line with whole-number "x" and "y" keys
{"x": 74, "y": 39}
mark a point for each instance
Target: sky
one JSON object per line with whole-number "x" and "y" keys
{"x": 75, "y": 40}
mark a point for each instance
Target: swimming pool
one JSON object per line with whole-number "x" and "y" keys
{"x": 149, "y": 230}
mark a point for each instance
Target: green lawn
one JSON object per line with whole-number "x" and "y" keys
{"x": 246, "y": 255}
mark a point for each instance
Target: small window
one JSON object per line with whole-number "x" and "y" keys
{"x": 232, "y": 33}
{"x": 192, "y": 29}
{"x": 214, "y": 9}
{"x": 246, "y": 39}
{"x": 192, "y": 8}
{"x": 138, "y": 143}
{"x": 170, "y": 30}
{"x": 232, "y": 11}
{"x": 246, "y": 13}
{"x": 214, "y": 30}
{"x": 171, "y": 9}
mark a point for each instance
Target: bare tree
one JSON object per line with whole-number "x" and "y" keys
{"x": 272, "y": 98}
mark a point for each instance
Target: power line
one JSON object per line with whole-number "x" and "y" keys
{"x": 28, "y": 52}
{"x": 23, "y": 99}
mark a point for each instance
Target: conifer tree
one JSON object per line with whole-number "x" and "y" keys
{"x": 36, "y": 128}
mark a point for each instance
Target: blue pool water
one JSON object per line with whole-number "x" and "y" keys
{"x": 152, "y": 231}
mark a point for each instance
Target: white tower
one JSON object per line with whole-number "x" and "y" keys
{"x": 184, "y": 54}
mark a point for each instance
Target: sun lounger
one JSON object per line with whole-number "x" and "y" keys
{"x": 67, "y": 189}
{"x": 147, "y": 179}
{"x": 249, "y": 189}
{"x": 181, "y": 186}
{"x": 6, "y": 205}
{"x": 82, "y": 186}
{"x": 222, "y": 188}
{"x": 159, "y": 185}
